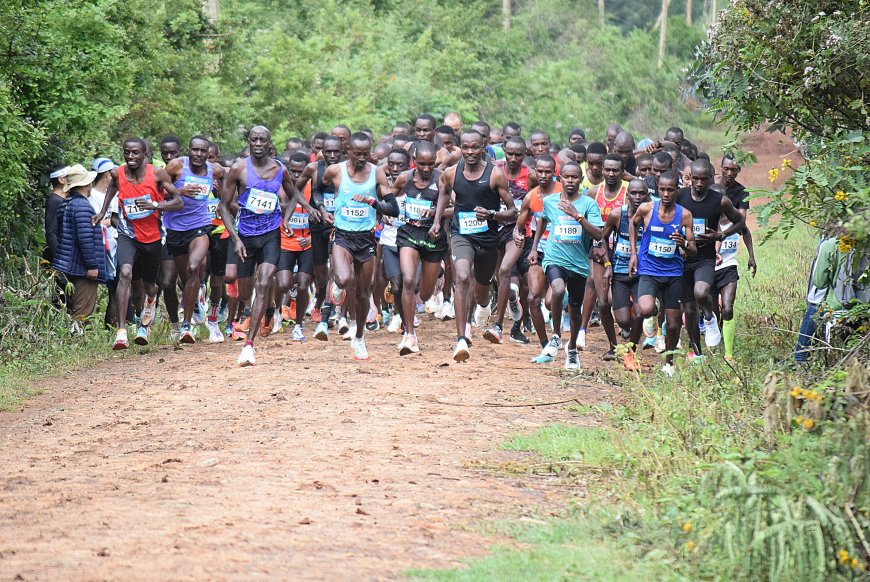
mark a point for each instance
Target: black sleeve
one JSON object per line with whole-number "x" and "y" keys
{"x": 51, "y": 226}
{"x": 389, "y": 206}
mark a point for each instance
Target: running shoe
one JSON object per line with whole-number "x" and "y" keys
{"x": 149, "y": 311}
{"x": 247, "y": 357}
{"x": 566, "y": 322}
{"x": 214, "y": 332}
{"x": 279, "y": 321}
{"x": 610, "y": 355}
{"x": 421, "y": 308}
{"x": 572, "y": 361}
{"x": 174, "y": 331}
{"x": 285, "y": 314}
{"x": 527, "y": 323}
{"x": 200, "y": 310}
{"x": 185, "y": 335}
{"x": 336, "y": 293}
{"x": 647, "y": 343}
{"x": 595, "y": 319}
{"x": 581, "y": 340}
{"x": 142, "y": 334}
{"x": 121, "y": 342}
{"x": 388, "y": 293}
{"x": 630, "y": 362}
{"x": 395, "y": 325}
{"x": 481, "y": 315}
{"x": 713, "y": 337}
{"x": 238, "y": 333}
{"x": 546, "y": 313}
{"x": 517, "y": 335}
{"x": 321, "y": 332}
{"x": 493, "y": 334}
{"x": 660, "y": 345}
{"x": 693, "y": 358}
{"x": 460, "y": 352}
{"x": 416, "y": 321}
{"x": 244, "y": 325}
{"x": 701, "y": 327}
{"x": 360, "y": 352}
{"x": 543, "y": 357}
{"x": 649, "y": 326}
{"x": 228, "y": 330}
{"x": 298, "y": 334}
{"x": 668, "y": 370}
{"x": 266, "y": 325}
{"x": 514, "y": 306}
{"x": 343, "y": 326}
{"x": 624, "y": 334}
{"x": 291, "y": 316}
{"x": 433, "y": 305}
{"x": 373, "y": 325}
{"x": 223, "y": 312}
{"x": 310, "y": 307}
{"x": 316, "y": 315}
{"x": 401, "y": 343}
{"x": 447, "y": 311}
{"x": 385, "y": 317}
{"x": 410, "y": 346}
{"x": 350, "y": 333}
{"x": 553, "y": 346}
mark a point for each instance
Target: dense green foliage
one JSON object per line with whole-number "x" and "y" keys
{"x": 78, "y": 75}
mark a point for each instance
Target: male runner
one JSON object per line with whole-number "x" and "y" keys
{"x": 594, "y": 166}
{"x": 189, "y": 228}
{"x": 260, "y": 187}
{"x": 170, "y": 149}
{"x": 707, "y": 208}
{"x": 609, "y": 195}
{"x": 479, "y": 188}
{"x": 575, "y": 219}
{"x": 623, "y": 146}
{"x": 622, "y": 283}
{"x": 658, "y": 259}
{"x": 398, "y": 162}
{"x": 420, "y": 190}
{"x": 143, "y": 191}
{"x": 424, "y": 129}
{"x": 361, "y": 190}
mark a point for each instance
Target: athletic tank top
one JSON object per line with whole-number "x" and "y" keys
{"x": 418, "y": 200}
{"x": 705, "y": 215}
{"x": 606, "y": 204}
{"x": 658, "y": 255}
{"x": 536, "y": 205}
{"x": 728, "y": 249}
{"x": 138, "y": 218}
{"x": 622, "y": 247}
{"x": 195, "y": 212}
{"x": 470, "y": 194}
{"x": 299, "y": 226}
{"x": 323, "y": 195}
{"x": 518, "y": 187}
{"x": 259, "y": 211}
{"x": 351, "y": 215}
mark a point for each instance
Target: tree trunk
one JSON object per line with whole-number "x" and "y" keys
{"x": 211, "y": 8}
{"x": 663, "y": 31}
{"x": 601, "y": 13}
{"x": 506, "y": 14}
{"x": 689, "y": 12}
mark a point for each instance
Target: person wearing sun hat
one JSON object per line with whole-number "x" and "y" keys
{"x": 81, "y": 249}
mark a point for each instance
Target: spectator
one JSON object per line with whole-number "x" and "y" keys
{"x": 103, "y": 168}
{"x": 55, "y": 199}
{"x": 809, "y": 324}
{"x": 81, "y": 249}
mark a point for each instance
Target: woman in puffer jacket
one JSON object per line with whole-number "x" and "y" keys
{"x": 81, "y": 249}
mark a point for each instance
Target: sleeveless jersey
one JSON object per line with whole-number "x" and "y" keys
{"x": 419, "y": 200}
{"x": 622, "y": 247}
{"x": 606, "y": 204}
{"x": 259, "y": 210}
{"x": 658, "y": 255}
{"x": 705, "y": 217}
{"x": 728, "y": 249}
{"x": 518, "y": 187}
{"x": 138, "y": 218}
{"x": 469, "y": 195}
{"x": 351, "y": 215}
{"x": 299, "y": 224}
{"x": 195, "y": 212}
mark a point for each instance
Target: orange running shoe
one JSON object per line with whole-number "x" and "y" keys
{"x": 292, "y": 311}
{"x": 287, "y": 314}
{"x": 266, "y": 326}
{"x": 316, "y": 317}
{"x": 630, "y": 362}
{"x": 240, "y": 329}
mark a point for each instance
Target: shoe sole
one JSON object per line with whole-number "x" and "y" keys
{"x": 461, "y": 356}
{"x": 321, "y": 336}
{"x": 519, "y": 341}
{"x": 491, "y": 337}
{"x": 139, "y": 341}
{"x": 246, "y": 364}
{"x": 119, "y": 347}
{"x": 187, "y": 339}
{"x": 216, "y": 341}
{"x": 406, "y": 351}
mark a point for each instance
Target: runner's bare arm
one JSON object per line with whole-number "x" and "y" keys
{"x": 172, "y": 197}
{"x": 498, "y": 182}
{"x": 542, "y": 228}
{"x": 689, "y": 238}
{"x": 445, "y": 186}
{"x": 111, "y": 191}
{"x": 228, "y": 198}
{"x": 522, "y": 219}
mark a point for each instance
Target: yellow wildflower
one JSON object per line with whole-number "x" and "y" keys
{"x": 846, "y": 243}
{"x": 808, "y": 424}
{"x": 813, "y": 223}
{"x": 795, "y": 392}
{"x": 854, "y": 563}
{"x": 772, "y": 175}
{"x": 690, "y": 546}
{"x": 843, "y": 556}
{"x": 786, "y": 163}
{"x": 841, "y": 196}
{"x": 687, "y": 527}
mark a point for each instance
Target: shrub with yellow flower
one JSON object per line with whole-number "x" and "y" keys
{"x": 773, "y": 174}
{"x": 841, "y": 196}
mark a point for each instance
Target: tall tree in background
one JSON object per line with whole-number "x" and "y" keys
{"x": 506, "y": 14}
{"x": 601, "y": 12}
{"x": 689, "y": 12}
{"x": 663, "y": 31}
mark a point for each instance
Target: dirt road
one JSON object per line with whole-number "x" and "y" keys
{"x": 176, "y": 465}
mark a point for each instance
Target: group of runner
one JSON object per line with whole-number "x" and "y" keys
{"x": 354, "y": 231}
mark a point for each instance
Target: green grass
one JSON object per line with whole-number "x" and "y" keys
{"x": 591, "y": 446}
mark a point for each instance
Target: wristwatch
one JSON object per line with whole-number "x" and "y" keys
{"x": 154, "y": 203}
{"x": 492, "y": 214}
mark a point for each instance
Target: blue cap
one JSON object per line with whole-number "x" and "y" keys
{"x": 644, "y": 143}
{"x": 101, "y": 165}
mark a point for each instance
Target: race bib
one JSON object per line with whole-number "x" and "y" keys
{"x": 518, "y": 204}
{"x": 468, "y": 223}
{"x": 416, "y": 208}
{"x": 329, "y": 201}
{"x": 203, "y": 186}
{"x": 662, "y": 247}
{"x": 299, "y": 220}
{"x": 139, "y": 207}
{"x": 356, "y": 211}
{"x": 622, "y": 248}
{"x": 212, "y": 208}
{"x": 729, "y": 245}
{"x": 699, "y": 226}
{"x": 261, "y": 202}
{"x": 567, "y": 230}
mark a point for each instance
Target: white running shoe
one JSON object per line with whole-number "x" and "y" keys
{"x": 401, "y": 343}
{"x": 214, "y": 332}
{"x": 149, "y": 311}
{"x": 447, "y": 311}
{"x": 350, "y": 333}
{"x": 581, "y": 340}
{"x": 174, "y": 331}
{"x": 395, "y": 325}
{"x": 650, "y": 326}
{"x": 660, "y": 346}
{"x": 121, "y": 342}
{"x": 276, "y": 327}
{"x": 712, "y": 335}
{"x": 668, "y": 370}
{"x": 410, "y": 345}
{"x": 572, "y": 361}
{"x": 433, "y": 305}
{"x": 553, "y": 346}
{"x": 545, "y": 312}
{"x": 343, "y": 325}
{"x": 298, "y": 335}
{"x": 460, "y": 352}
{"x": 514, "y": 306}
{"x": 246, "y": 358}
{"x": 482, "y": 314}
{"x": 416, "y": 321}
{"x": 360, "y": 352}
{"x": 336, "y": 294}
